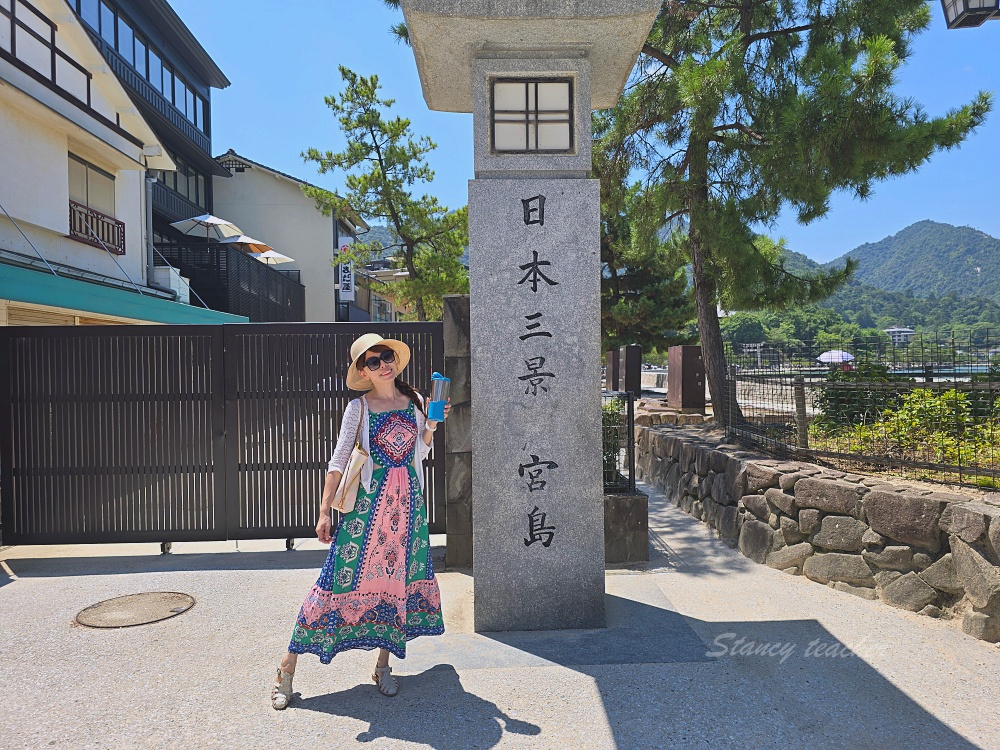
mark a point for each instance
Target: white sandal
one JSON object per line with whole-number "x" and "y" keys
{"x": 281, "y": 692}
{"x": 387, "y": 684}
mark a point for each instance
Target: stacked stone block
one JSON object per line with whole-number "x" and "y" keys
{"x": 936, "y": 553}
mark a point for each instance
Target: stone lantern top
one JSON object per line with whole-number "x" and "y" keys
{"x": 449, "y": 35}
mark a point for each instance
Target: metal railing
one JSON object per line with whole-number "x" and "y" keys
{"x": 83, "y": 219}
{"x": 925, "y": 409}
{"x": 618, "y": 441}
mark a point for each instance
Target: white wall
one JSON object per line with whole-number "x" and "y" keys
{"x": 274, "y": 210}
{"x": 34, "y": 188}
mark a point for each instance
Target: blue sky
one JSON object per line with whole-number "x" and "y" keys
{"x": 283, "y": 61}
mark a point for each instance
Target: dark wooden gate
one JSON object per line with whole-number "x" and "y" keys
{"x": 181, "y": 433}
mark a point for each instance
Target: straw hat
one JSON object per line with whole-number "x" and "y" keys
{"x": 354, "y": 380}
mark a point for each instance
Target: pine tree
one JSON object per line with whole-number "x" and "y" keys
{"x": 738, "y": 109}
{"x": 645, "y": 297}
{"x": 382, "y": 162}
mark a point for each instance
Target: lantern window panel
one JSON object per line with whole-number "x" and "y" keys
{"x": 532, "y": 115}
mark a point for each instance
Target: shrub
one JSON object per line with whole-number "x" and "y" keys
{"x": 846, "y": 402}
{"x": 613, "y": 422}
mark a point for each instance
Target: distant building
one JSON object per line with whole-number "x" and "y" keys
{"x": 270, "y": 206}
{"x": 73, "y": 159}
{"x": 899, "y": 335}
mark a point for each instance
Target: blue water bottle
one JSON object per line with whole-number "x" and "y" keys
{"x": 440, "y": 386}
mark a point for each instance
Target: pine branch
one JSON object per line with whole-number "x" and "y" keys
{"x": 664, "y": 57}
{"x": 776, "y": 32}
{"x": 743, "y": 129}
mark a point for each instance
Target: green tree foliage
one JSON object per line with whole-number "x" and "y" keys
{"x": 645, "y": 297}
{"x": 744, "y": 328}
{"x": 740, "y": 108}
{"x": 876, "y": 308}
{"x": 382, "y": 162}
{"x": 858, "y": 313}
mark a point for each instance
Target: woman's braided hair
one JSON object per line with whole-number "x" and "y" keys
{"x": 408, "y": 390}
{"x": 401, "y": 385}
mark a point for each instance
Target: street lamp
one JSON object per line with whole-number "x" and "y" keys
{"x": 965, "y": 14}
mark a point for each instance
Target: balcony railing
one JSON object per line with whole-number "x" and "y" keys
{"x": 232, "y": 281}
{"x": 171, "y": 205}
{"x": 295, "y": 275}
{"x": 85, "y": 222}
{"x": 145, "y": 89}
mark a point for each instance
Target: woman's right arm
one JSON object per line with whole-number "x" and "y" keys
{"x": 325, "y": 522}
{"x": 338, "y": 463}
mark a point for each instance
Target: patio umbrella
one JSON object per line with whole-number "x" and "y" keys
{"x": 246, "y": 244}
{"x": 272, "y": 258}
{"x": 835, "y": 356}
{"x": 212, "y": 227}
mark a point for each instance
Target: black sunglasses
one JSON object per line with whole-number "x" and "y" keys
{"x": 375, "y": 363}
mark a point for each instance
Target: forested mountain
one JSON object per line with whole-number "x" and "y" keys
{"x": 381, "y": 234}
{"x": 930, "y": 258}
{"x": 929, "y": 275}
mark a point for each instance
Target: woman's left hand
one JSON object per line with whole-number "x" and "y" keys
{"x": 447, "y": 407}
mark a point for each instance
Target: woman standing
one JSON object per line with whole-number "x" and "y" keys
{"x": 377, "y": 587}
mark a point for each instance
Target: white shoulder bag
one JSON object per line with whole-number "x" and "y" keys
{"x": 347, "y": 491}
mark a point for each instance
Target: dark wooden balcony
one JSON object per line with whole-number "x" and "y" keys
{"x": 128, "y": 75}
{"x": 173, "y": 206}
{"x": 232, "y": 281}
{"x": 85, "y": 223}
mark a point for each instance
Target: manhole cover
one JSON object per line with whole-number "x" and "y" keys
{"x": 135, "y": 609}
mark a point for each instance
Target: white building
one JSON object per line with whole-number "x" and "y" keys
{"x": 73, "y": 159}
{"x": 899, "y": 335}
{"x": 270, "y": 206}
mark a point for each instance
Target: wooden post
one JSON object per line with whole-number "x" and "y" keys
{"x": 801, "y": 420}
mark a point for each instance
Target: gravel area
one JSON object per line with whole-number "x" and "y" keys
{"x": 704, "y": 649}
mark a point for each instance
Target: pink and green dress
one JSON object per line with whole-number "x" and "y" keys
{"x": 377, "y": 587}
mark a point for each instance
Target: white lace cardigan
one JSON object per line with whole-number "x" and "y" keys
{"x": 357, "y": 410}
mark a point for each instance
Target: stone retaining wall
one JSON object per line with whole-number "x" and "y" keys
{"x": 937, "y": 553}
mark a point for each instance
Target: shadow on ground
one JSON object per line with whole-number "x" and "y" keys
{"x": 780, "y": 681}
{"x": 432, "y": 708}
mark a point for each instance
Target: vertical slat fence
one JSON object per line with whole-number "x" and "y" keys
{"x": 181, "y": 433}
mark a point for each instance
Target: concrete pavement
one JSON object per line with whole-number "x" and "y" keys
{"x": 704, "y": 649}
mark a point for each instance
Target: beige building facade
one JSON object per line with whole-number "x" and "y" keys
{"x": 270, "y": 206}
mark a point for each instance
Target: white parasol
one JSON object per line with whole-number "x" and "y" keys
{"x": 211, "y": 227}
{"x": 272, "y": 258}
{"x": 835, "y": 356}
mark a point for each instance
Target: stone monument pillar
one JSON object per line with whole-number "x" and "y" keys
{"x": 531, "y": 73}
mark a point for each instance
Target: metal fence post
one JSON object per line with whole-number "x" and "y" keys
{"x": 6, "y": 435}
{"x": 630, "y": 422}
{"x": 731, "y": 405}
{"x": 801, "y": 420}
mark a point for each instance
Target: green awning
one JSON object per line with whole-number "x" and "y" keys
{"x": 42, "y": 288}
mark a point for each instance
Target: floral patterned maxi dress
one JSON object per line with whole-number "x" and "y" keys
{"x": 377, "y": 587}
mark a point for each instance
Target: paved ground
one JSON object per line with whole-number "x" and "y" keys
{"x": 671, "y": 671}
